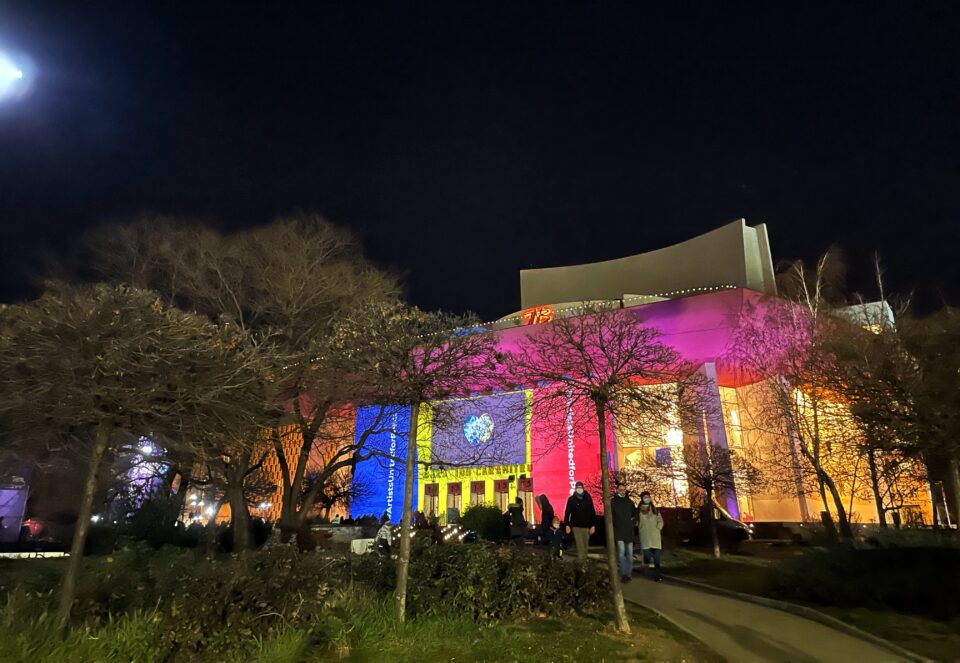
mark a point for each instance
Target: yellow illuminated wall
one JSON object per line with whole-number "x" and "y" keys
{"x": 465, "y": 476}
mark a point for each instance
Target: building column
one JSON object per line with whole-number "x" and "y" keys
{"x": 712, "y": 431}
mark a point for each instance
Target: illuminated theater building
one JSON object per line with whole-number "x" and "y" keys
{"x": 694, "y": 293}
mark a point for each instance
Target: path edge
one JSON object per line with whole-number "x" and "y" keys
{"x": 804, "y": 611}
{"x": 674, "y": 623}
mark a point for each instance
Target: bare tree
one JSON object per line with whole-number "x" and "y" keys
{"x": 637, "y": 478}
{"x": 879, "y": 380}
{"x": 290, "y": 280}
{"x": 934, "y": 344}
{"x": 711, "y": 469}
{"x": 603, "y": 358}
{"x": 101, "y": 364}
{"x": 786, "y": 345}
{"x": 411, "y": 358}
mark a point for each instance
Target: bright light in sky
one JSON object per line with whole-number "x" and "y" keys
{"x": 13, "y": 80}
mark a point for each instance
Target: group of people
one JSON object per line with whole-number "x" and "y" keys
{"x": 629, "y": 520}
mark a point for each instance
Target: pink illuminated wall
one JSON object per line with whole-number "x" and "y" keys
{"x": 701, "y": 328}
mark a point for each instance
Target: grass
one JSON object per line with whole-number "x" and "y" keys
{"x": 938, "y": 640}
{"x": 356, "y": 627}
{"x": 582, "y": 638}
{"x": 366, "y": 631}
{"x": 748, "y": 572}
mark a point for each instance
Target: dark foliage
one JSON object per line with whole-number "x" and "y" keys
{"x": 916, "y": 580}
{"x": 204, "y": 606}
{"x": 486, "y": 521}
{"x": 155, "y": 521}
{"x": 102, "y": 539}
{"x": 492, "y": 583}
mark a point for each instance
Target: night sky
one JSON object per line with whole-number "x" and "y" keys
{"x": 465, "y": 141}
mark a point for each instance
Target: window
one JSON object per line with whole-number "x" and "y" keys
{"x": 454, "y": 491}
{"x": 478, "y": 493}
{"x": 501, "y": 494}
{"x": 525, "y": 492}
{"x": 431, "y": 499}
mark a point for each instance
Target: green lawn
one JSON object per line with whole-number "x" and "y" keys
{"x": 748, "y": 571}
{"x": 577, "y": 639}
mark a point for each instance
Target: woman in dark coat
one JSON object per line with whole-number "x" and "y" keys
{"x": 518, "y": 523}
{"x": 546, "y": 516}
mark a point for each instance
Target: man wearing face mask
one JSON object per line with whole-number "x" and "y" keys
{"x": 651, "y": 522}
{"x": 579, "y": 516}
{"x": 624, "y": 521}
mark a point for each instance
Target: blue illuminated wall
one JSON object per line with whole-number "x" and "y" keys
{"x": 380, "y": 479}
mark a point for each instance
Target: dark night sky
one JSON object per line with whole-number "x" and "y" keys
{"x": 463, "y": 142}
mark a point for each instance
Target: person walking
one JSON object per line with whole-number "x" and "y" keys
{"x": 546, "y": 517}
{"x": 650, "y": 524}
{"x": 518, "y": 523}
{"x": 579, "y": 516}
{"x": 624, "y": 522}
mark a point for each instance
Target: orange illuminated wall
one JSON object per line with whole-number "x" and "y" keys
{"x": 336, "y": 432}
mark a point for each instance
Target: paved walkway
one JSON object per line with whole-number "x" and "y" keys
{"x": 744, "y": 632}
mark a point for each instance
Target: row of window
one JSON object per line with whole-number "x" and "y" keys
{"x": 478, "y": 493}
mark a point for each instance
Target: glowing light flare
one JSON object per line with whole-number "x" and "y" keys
{"x": 13, "y": 77}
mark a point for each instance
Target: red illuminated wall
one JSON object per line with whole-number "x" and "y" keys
{"x": 564, "y": 448}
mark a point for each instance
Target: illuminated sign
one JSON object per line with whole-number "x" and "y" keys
{"x": 383, "y": 475}
{"x": 537, "y": 315}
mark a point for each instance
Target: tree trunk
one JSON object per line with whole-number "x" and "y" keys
{"x": 403, "y": 558}
{"x": 875, "y": 483}
{"x": 210, "y": 531}
{"x": 239, "y": 515}
{"x": 712, "y": 522}
{"x": 933, "y": 492}
{"x": 67, "y": 591}
{"x": 953, "y": 472}
{"x": 240, "y": 519}
{"x": 180, "y": 497}
{"x": 846, "y": 532}
{"x": 823, "y": 497}
{"x": 619, "y": 609}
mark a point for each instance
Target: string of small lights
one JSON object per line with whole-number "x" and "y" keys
{"x": 582, "y": 308}
{"x": 517, "y": 320}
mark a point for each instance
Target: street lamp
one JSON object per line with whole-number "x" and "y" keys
{"x": 13, "y": 80}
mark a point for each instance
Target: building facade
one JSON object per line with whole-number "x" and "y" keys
{"x": 696, "y": 294}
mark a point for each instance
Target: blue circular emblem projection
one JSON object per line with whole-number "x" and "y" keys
{"x": 478, "y": 429}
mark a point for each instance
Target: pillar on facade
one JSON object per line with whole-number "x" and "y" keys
{"x": 711, "y": 431}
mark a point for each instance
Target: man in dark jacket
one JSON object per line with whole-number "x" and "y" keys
{"x": 579, "y": 516}
{"x": 624, "y": 521}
